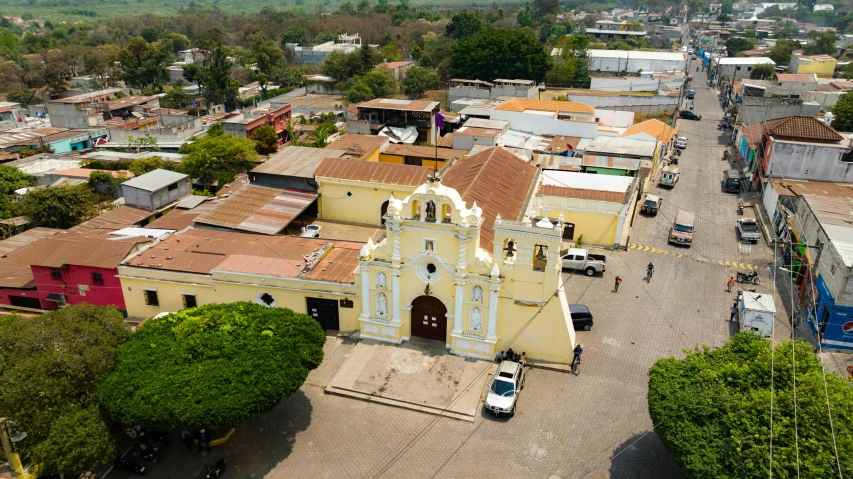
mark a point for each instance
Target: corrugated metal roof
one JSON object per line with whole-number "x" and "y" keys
{"x": 371, "y": 172}
{"x": 155, "y": 180}
{"x": 357, "y": 145}
{"x": 403, "y": 105}
{"x": 586, "y": 181}
{"x": 190, "y": 202}
{"x": 28, "y": 237}
{"x": 116, "y": 219}
{"x": 298, "y": 161}
{"x": 618, "y": 146}
{"x": 523, "y": 104}
{"x": 78, "y": 249}
{"x": 259, "y": 209}
{"x": 423, "y": 151}
{"x": 498, "y": 181}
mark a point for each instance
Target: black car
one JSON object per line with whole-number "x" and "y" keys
{"x": 581, "y": 317}
{"x": 690, "y": 115}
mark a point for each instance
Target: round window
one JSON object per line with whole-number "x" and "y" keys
{"x": 430, "y": 268}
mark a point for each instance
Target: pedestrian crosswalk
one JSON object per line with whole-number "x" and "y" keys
{"x": 731, "y": 264}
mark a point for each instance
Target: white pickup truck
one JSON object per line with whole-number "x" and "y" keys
{"x": 748, "y": 230}
{"x": 579, "y": 260}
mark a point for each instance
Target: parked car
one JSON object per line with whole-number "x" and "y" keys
{"x": 682, "y": 229}
{"x": 690, "y": 94}
{"x": 681, "y": 142}
{"x": 731, "y": 181}
{"x": 651, "y": 205}
{"x": 690, "y": 51}
{"x": 669, "y": 176}
{"x": 579, "y": 260}
{"x": 581, "y": 317}
{"x": 747, "y": 228}
{"x": 690, "y": 115}
{"x": 503, "y": 392}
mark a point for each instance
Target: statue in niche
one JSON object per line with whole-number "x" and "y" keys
{"x": 477, "y": 294}
{"x": 430, "y": 211}
{"x": 429, "y": 247}
{"x": 476, "y": 322}
{"x": 381, "y": 304}
{"x": 380, "y": 280}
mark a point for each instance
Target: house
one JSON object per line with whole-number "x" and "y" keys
{"x": 11, "y": 115}
{"x": 648, "y": 152}
{"x": 547, "y": 117}
{"x": 360, "y": 147}
{"x": 399, "y": 69}
{"x": 274, "y": 115}
{"x": 597, "y": 208}
{"x": 737, "y": 67}
{"x": 53, "y": 139}
{"x": 429, "y": 157}
{"x": 316, "y": 54}
{"x": 461, "y": 89}
{"x": 821, "y": 65}
{"x": 615, "y": 34}
{"x": 810, "y": 213}
{"x": 17, "y": 284}
{"x": 292, "y": 167}
{"x": 636, "y": 61}
{"x": 95, "y": 108}
{"x": 414, "y": 115}
{"x": 803, "y": 148}
{"x": 156, "y": 189}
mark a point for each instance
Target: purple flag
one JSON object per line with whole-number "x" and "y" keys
{"x": 439, "y": 121}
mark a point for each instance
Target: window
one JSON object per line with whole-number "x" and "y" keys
{"x": 737, "y": 68}
{"x": 151, "y": 298}
{"x": 56, "y": 273}
{"x": 189, "y": 301}
{"x": 173, "y": 187}
{"x": 97, "y": 278}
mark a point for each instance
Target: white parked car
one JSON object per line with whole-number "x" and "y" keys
{"x": 503, "y": 392}
{"x": 681, "y": 142}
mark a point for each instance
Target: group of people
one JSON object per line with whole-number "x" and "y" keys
{"x": 511, "y": 355}
{"x": 203, "y": 438}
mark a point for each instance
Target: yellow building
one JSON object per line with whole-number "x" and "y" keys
{"x": 360, "y": 147}
{"x": 463, "y": 260}
{"x": 821, "y": 65}
{"x": 597, "y": 209}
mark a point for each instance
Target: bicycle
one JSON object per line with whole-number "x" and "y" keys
{"x": 575, "y": 365}
{"x": 649, "y": 274}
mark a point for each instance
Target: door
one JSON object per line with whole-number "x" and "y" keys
{"x": 429, "y": 318}
{"x": 569, "y": 231}
{"x": 325, "y": 311}
{"x": 25, "y": 302}
{"x": 382, "y": 210}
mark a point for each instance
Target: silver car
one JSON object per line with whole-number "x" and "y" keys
{"x": 503, "y": 392}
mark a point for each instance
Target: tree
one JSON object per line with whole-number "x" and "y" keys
{"x": 736, "y": 45}
{"x": 726, "y": 7}
{"x": 49, "y": 391}
{"x": 843, "y": 111}
{"x": 369, "y": 58}
{"x": 11, "y": 179}
{"x": 176, "y": 97}
{"x": 342, "y": 66}
{"x": 60, "y": 207}
{"x": 212, "y": 366}
{"x": 24, "y": 96}
{"x": 823, "y": 43}
{"x": 266, "y": 141}
{"x": 210, "y": 157}
{"x": 781, "y": 52}
{"x": 103, "y": 182}
{"x": 765, "y": 71}
{"x": 499, "y": 53}
{"x": 724, "y": 18}
{"x": 142, "y": 64}
{"x": 419, "y": 80}
{"x": 215, "y": 78}
{"x": 463, "y": 25}
{"x": 711, "y": 411}
{"x": 146, "y": 165}
{"x": 358, "y": 93}
{"x": 294, "y": 35}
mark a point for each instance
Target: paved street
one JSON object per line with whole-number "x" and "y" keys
{"x": 595, "y": 425}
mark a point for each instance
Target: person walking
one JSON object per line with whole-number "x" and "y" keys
{"x": 730, "y": 284}
{"x": 650, "y": 270}
{"x": 187, "y": 439}
{"x": 616, "y": 284}
{"x": 734, "y": 312}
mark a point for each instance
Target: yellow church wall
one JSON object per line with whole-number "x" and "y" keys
{"x": 596, "y": 220}
{"x": 386, "y": 158}
{"x": 364, "y": 204}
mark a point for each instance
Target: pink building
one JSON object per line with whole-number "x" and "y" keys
{"x": 17, "y": 284}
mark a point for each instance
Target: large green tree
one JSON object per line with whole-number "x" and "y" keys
{"x": 712, "y": 411}
{"x": 736, "y": 45}
{"x": 12, "y": 178}
{"x": 462, "y": 25}
{"x": 49, "y": 366}
{"x": 781, "y": 52}
{"x": 24, "y": 96}
{"x": 500, "y": 53}
{"x": 58, "y": 206}
{"x": 215, "y": 78}
{"x": 843, "y": 111}
{"x": 765, "y": 71}
{"x": 212, "y": 366}
{"x": 266, "y": 141}
{"x": 823, "y": 43}
{"x": 142, "y": 64}
{"x": 209, "y": 157}
{"x": 418, "y": 80}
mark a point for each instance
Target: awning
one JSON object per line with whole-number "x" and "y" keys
{"x": 56, "y": 297}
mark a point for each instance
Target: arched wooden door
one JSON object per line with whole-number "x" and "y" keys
{"x": 429, "y": 318}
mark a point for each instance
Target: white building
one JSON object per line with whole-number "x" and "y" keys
{"x": 548, "y": 117}
{"x": 635, "y": 61}
{"x": 738, "y": 67}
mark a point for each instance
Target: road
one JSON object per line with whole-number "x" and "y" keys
{"x": 595, "y": 425}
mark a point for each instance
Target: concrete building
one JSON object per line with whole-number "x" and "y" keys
{"x": 11, "y": 115}
{"x": 321, "y": 85}
{"x": 634, "y": 61}
{"x": 754, "y": 109}
{"x": 459, "y": 89}
{"x": 820, "y": 65}
{"x": 90, "y": 109}
{"x": 737, "y": 67}
{"x": 547, "y": 117}
{"x": 375, "y": 115}
{"x": 614, "y": 34}
{"x": 156, "y": 189}
{"x": 399, "y": 69}
{"x": 316, "y": 54}
{"x": 56, "y": 140}
{"x": 276, "y": 116}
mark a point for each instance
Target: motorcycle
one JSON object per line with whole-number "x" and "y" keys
{"x": 673, "y": 160}
{"x": 151, "y": 453}
{"x": 129, "y": 466}
{"x": 748, "y": 277}
{"x": 725, "y": 156}
{"x": 214, "y": 471}
{"x": 678, "y": 151}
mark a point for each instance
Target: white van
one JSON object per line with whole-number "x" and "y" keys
{"x": 756, "y": 312}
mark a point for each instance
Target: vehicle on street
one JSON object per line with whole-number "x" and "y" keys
{"x": 690, "y": 51}
{"x": 747, "y": 228}
{"x": 579, "y": 260}
{"x": 503, "y": 392}
{"x": 684, "y": 48}
{"x": 669, "y": 176}
{"x": 681, "y": 142}
{"x": 748, "y": 277}
{"x": 216, "y": 470}
{"x": 581, "y": 317}
{"x": 690, "y": 115}
{"x": 691, "y": 94}
{"x": 731, "y": 181}
{"x": 756, "y": 312}
{"x": 651, "y": 205}
{"x": 682, "y": 229}
{"x": 311, "y": 231}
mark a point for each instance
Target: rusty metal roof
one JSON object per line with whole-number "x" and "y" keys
{"x": 299, "y": 161}
{"x": 116, "y": 219}
{"x": 205, "y": 251}
{"x": 523, "y": 104}
{"x": 15, "y": 272}
{"x": 802, "y": 128}
{"x": 28, "y": 237}
{"x": 402, "y": 105}
{"x": 500, "y": 182}
{"x": 259, "y": 209}
{"x": 357, "y": 146}
{"x": 67, "y": 248}
{"x": 180, "y": 218}
{"x": 372, "y": 172}
{"x": 425, "y": 152}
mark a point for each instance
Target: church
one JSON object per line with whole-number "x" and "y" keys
{"x": 458, "y": 256}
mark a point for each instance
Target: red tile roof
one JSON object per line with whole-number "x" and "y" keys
{"x": 500, "y": 182}
{"x": 802, "y": 128}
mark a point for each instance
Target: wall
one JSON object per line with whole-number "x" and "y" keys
{"x": 757, "y": 109}
{"x": 79, "y": 142}
{"x": 6, "y": 295}
{"x": 632, "y": 62}
{"x": 788, "y": 160}
{"x": 544, "y": 125}
{"x": 598, "y": 221}
{"x": 826, "y": 99}
{"x": 466, "y": 142}
{"x": 614, "y": 118}
{"x": 322, "y": 88}
{"x": 822, "y": 69}
{"x": 67, "y": 115}
{"x": 75, "y": 282}
{"x": 493, "y": 93}
{"x": 625, "y": 84}
{"x": 364, "y": 205}
{"x": 164, "y": 135}
{"x": 637, "y": 104}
